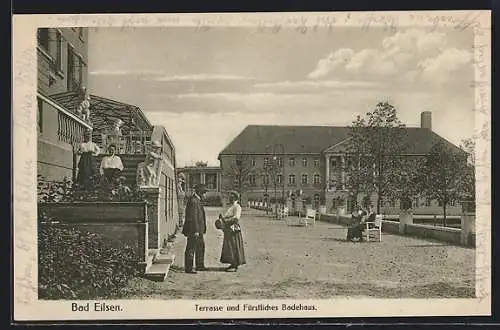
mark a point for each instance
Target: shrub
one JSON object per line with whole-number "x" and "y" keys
{"x": 212, "y": 201}
{"x": 75, "y": 264}
{"x": 66, "y": 191}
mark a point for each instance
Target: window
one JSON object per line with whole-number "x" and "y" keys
{"x": 427, "y": 202}
{"x": 333, "y": 163}
{"x": 291, "y": 162}
{"x": 316, "y": 162}
{"x": 266, "y": 161}
{"x": 317, "y": 179}
{"x": 40, "y": 114}
{"x": 279, "y": 161}
{"x": 304, "y": 179}
{"x": 279, "y": 179}
{"x": 43, "y": 38}
{"x": 251, "y": 178}
{"x": 59, "y": 55}
{"x": 440, "y": 203}
{"x": 253, "y": 161}
{"x": 392, "y": 203}
{"x": 71, "y": 69}
{"x": 304, "y": 162}
{"x": 265, "y": 179}
{"x": 75, "y": 70}
{"x": 452, "y": 203}
{"x": 291, "y": 179}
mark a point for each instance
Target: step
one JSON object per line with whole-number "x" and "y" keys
{"x": 158, "y": 272}
{"x": 165, "y": 258}
{"x": 152, "y": 255}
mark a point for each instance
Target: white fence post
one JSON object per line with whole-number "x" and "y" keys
{"x": 468, "y": 226}
{"x": 405, "y": 218}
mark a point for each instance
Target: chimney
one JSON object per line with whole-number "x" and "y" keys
{"x": 426, "y": 120}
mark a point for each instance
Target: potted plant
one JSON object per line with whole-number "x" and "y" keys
{"x": 339, "y": 203}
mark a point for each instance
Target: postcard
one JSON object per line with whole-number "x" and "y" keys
{"x": 251, "y": 165}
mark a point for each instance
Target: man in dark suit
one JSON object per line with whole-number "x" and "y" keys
{"x": 195, "y": 227}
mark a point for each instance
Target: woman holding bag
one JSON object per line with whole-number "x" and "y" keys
{"x": 233, "y": 252}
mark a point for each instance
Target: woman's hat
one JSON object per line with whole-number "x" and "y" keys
{"x": 219, "y": 224}
{"x": 156, "y": 144}
{"x": 234, "y": 194}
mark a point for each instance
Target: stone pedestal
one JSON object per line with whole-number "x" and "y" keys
{"x": 152, "y": 195}
{"x": 468, "y": 226}
{"x": 405, "y": 218}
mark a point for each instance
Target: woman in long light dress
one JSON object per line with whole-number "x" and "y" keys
{"x": 233, "y": 252}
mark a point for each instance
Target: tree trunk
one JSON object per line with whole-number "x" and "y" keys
{"x": 379, "y": 199}
{"x": 444, "y": 214}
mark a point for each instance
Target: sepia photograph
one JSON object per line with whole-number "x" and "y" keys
{"x": 267, "y": 165}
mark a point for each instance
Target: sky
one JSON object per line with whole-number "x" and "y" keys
{"x": 206, "y": 87}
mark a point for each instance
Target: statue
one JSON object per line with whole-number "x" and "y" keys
{"x": 114, "y": 135}
{"x": 149, "y": 171}
{"x": 181, "y": 194}
{"x": 83, "y": 108}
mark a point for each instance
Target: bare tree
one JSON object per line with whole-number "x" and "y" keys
{"x": 239, "y": 173}
{"x": 270, "y": 171}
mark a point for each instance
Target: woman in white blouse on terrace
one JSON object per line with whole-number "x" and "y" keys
{"x": 111, "y": 166}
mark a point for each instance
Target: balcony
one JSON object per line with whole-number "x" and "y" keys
{"x": 129, "y": 143}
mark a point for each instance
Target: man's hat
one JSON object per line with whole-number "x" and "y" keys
{"x": 156, "y": 144}
{"x": 200, "y": 187}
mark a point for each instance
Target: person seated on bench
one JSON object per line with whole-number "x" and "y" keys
{"x": 358, "y": 224}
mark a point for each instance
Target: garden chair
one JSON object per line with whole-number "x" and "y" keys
{"x": 283, "y": 213}
{"x": 310, "y": 218}
{"x": 374, "y": 227}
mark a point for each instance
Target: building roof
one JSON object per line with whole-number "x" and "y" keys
{"x": 198, "y": 168}
{"x": 104, "y": 111}
{"x": 262, "y": 139}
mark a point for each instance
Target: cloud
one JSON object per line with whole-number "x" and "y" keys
{"x": 441, "y": 68}
{"x": 204, "y": 77}
{"x": 311, "y": 85}
{"x": 412, "y": 54}
{"x": 124, "y": 72}
{"x": 332, "y": 62}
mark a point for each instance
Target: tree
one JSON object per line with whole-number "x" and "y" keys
{"x": 441, "y": 175}
{"x": 239, "y": 173}
{"x": 469, "y": 176}
{"x": 377, "y": 140}
{"x": 270, "y": 171}
{"x": 405, "y": 182}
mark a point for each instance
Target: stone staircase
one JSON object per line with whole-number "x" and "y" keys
{"x": 159, "y": 262}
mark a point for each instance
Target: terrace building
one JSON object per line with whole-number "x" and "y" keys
{"x": 62, "y": 67}
{"x": 311, "y": 161}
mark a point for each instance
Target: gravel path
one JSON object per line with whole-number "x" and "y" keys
{"x": 298, "y": 262}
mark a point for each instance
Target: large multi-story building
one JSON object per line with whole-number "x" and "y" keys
{"x": 311, "y": 161}
{"x": 62, "y": 67}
